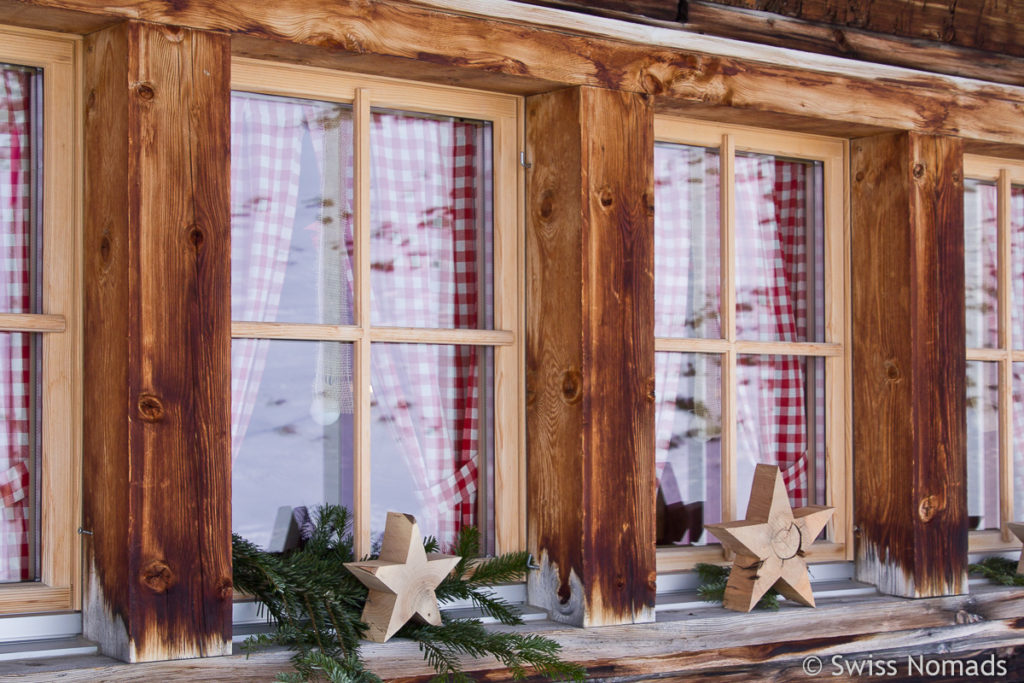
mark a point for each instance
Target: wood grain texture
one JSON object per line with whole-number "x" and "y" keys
{"x": 665, "y": 10}
{"x": 706, "y": 643}
{"x": 767, "y": 28}
{"x": 411, "y": 41}
{"x": 987, "y": 25}
{"x": 908, "y": 349}
{"x": 157, "y": 349}
{"x": 590, "y": 355}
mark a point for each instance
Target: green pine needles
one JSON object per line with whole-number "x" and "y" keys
{"x": 316, "y": 604}
{"x": 998, "y": 569}
{"x": 712, "y": 589}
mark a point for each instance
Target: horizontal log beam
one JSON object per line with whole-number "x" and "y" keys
{"x": 766, "y": 28}
{"x": 992, "y": 26}
{"x": 520, "y": 55}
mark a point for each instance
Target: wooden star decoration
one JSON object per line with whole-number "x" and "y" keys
{"x": 770, "y": 544}
{"x": 402, "y": 581}
{"x": 1017, "y": 529}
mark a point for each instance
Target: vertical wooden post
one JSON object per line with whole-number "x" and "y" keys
{"x": 910, "y": 495}
{"x": 157, "y": 489}
{"x": 590, "y": 355}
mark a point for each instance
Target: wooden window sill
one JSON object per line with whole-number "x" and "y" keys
{"x": 688, "y": 636}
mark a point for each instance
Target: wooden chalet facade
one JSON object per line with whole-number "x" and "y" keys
{"x": 900, "y": 104}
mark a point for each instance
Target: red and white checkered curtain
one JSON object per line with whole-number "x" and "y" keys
{"x": 424, "y": 249}
{"x": 771, "y": 284}
{"x": 15, "y": 348}
{"x": 266, "y": 152}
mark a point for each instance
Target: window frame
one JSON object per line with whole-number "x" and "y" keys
{"x": 1005, "y": 173}
{"x": 505, "y": 112}
{"x": 59, "y": 323}
{"x": 836, "y": 349}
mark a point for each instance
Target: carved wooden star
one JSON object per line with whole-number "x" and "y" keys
{"x": 402, "y": 581}
{"x": 770, "y": 544}
{"x": 1017, "y": 528}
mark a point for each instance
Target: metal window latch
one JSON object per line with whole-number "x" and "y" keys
{"x": 523, "y": 162}
{"x": 531, "y": 563}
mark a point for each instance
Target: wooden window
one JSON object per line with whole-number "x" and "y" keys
{"x": 751, "y": 347}
{"x": 376, "y": 299}
{"x": 40, "y": 328}
{"x": 994, "y": 289}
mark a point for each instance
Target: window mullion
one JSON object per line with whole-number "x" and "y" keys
{"x": 727, "y": 193}
{"x": 1004, "y": 268}
{"x": 362, "y": 390}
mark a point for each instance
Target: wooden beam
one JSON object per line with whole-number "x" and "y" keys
{"x": 767, "y": 28}
{"x": 663, "y": 10}
{"x": 590, "y": 355}
{"x": 157, "y": 343}
{"x": 991, "y": 26}
{"x": 412, "y": 41}
{"x": 909, "y": 353}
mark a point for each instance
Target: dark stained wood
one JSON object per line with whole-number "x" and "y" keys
{"x": 157, "y": 343}
{"x": 590, "y": 355}
{"x": 712, "y": 18}
{"x": 407, "y": 40}
{"x": 910, "y": 506}
{"x": 665, "y": 10}
{"x": 993, "y": 25}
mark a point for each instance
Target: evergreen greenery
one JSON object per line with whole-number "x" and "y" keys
{"x": 998, "y": 569}
{"x": 315, "y": 604}
{"x": 712, "y": 589}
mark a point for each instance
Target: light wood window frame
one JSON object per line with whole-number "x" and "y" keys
{"x": 1005, "y": 174}
{"x": 59, "y": 323}
{"x": 504, "y": 112}
{"x": 835, "y": 350}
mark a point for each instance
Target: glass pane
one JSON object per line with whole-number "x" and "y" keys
{"x": 19, "y": 161}
{"x": 980, "y": 249}
{"x": 1017, "y": 262}
{"x": 429, "y": 402}
{"x": 780, "y": 245}
{"x": 291, "y": 431}
{"x": 983, "y": 445}
{"x": 19, "y": 449}
{"x": 780, "y": 420}
{"x": 1018, "y": 440}
{"x": 431, "y": 237}
{"x": 687, "y": 256}
{"x": 688, "y": 446}
{"x": 291, "y": 210}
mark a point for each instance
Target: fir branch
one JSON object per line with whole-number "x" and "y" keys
{"x": 714, "y": 580}
{"x": 999, "y": 569}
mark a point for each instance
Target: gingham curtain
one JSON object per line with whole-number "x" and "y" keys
{"x": 771, "y": 285}
{"x": 266, "y": 151}
{"x": 687, "y": 272}
{"x": 424, "y": 248}
{"x": 15, "y": 366}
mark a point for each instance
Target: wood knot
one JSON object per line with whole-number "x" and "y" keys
{"x": 196, "y": 236}
{"x": 651, "y": 84}
{"x": 929, "y": 507}
{"x": 145, "y": 91}
{"x": 90, "y": 102}
{"x": 226, "y": 590}
{"x": 649, "y": 390}
{"x": 547, "y": 206}
{"x": 956, "y": 176}
{"x": 892, "y": 371}
{"x": 151, "y": 408}
{"x": 105, "y": 247}
{"x": 572, "y": 386}
{"x": 918, "y": 170}
{"x": 158, "y": 577}
{"x": 606, "y": 197}
{"x": 649, "y": 203}
{"x": 860, "y": 176}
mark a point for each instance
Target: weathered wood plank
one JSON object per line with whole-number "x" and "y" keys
{"x": 157, "y": 348}
{"x": 665, "y": 10}
{"x": 713, "y": 18}
{"x": 988, "y": 25}
{"x": 590, "y": 355}
{"x": 413, "y": 41}
{"x": 908, "y": 328}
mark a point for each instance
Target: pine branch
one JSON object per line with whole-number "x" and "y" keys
{"x": 998, "y": 569}
{"x": 714, "y": 580}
